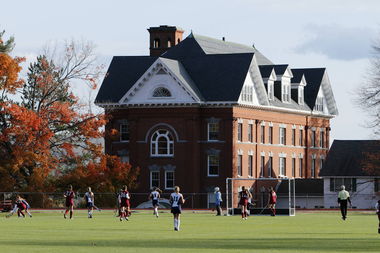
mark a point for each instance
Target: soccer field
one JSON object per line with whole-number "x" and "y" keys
{"x": 200, "y": 232}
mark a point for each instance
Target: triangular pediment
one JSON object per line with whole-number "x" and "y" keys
{"x": 165, "y": 82}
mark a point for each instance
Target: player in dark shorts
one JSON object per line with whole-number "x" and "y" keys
{"x": 244, "y": 196}
{"x": 19, "y": 206}
{"x": 272, "y": 201}
{"x": 89, "y": 197}
{"x": 69, "y": 197}
{"x": 124, "y": 203}
{"x": 155, "y": 196}
{"x": 176, "y": 201}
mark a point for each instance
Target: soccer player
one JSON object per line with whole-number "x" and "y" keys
{"x": 378, "y": 214}
{"x": 244, "y": 195}
{"x": 176, "y": 201}
{"x": 155, "y": 196}
{"x": 272, "y": 201}
{"x": 89, "y": 197}
{"x": 19, "y": 207}
{"x": 343, "y": 198}
{"x": 218, "y": 201}
{"x": 69, "y": 196}
{"x": 124, "y": 203}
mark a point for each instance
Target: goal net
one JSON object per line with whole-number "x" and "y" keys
{"x": 259, "y": 188}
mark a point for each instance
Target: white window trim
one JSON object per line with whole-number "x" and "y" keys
{"x": 151, "y": 185}
{"x": 208, "y": 167}
{"x": 155, "y": 142}
{"x": 123, "y": 124}
{"x": 169, "y": 188}
{"x": 280, "y": 173}
{"x": 208, "y": 133}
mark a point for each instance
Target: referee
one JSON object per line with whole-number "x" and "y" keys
{"x": 343, "y": 198}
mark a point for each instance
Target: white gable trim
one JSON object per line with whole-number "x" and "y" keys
{"x": 149, "y": 73}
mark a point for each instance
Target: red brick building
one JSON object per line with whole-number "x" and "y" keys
{"x": 200, "y": 110}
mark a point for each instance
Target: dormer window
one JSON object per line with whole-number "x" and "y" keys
{"x": 319, "y": 105}
{"x": 286, "y": 93}
{"x": 300, "y": 95}
{"x": 161, "y": 92}
{"x": 270, "y": 91}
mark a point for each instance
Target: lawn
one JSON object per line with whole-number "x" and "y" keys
{"x": 200, "y": 232}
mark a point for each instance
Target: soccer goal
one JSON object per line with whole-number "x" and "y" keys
{"x": 259, "y": 188}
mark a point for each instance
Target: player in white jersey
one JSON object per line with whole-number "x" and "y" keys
{"x": 89, "y": 197}
{"x": 176, "y": 200}
{"x": 155, "y": 196}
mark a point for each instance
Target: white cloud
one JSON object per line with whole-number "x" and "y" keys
{"x": 337, "y": 42}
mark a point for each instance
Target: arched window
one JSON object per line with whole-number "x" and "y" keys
{"x": 156, "y": 43}
{"x": 169, "y": 42}
{"x": 162, "y": 143}
{"x": 161, "y": 92}
{"x": 178, "y": 41}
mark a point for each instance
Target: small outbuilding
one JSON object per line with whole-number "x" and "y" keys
{"x": 355, "y": 164}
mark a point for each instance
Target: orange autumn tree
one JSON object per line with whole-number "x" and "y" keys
{"x": 47, "y": 131}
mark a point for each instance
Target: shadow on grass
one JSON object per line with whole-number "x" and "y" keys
{"x": 299, "y": 244}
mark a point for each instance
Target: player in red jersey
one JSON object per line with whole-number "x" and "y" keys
{"x": 69, "y": 195}
{"x": 272, "y": 201}
{"x": 19, "y": 206}
{"x": 244, "y": 196}
{"x": 124, "y": 203}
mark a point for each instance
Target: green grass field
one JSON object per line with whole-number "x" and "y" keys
{"x": 200, "y": 232}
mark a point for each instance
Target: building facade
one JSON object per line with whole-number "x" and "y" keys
{"x": 200, "y": 110}
{"x": 347, "y": 165}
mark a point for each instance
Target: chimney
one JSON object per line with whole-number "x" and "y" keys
{"x": 162, "y": 38}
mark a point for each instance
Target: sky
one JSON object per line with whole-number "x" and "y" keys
{"x": 316, "y": 33}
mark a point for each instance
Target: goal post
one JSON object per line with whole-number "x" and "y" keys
{"x": 259, "y": 188}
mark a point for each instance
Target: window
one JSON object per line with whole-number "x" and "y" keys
{"x": 169, "y": 179}
{"x": 376, "y": 183}
{"x": 321, "y": 163}
{"x": 161, "y": 92}
{"x": 262, "y": 134}
{"x": 262, "y": 166}
{"x": 270, "y": 135}
{"x": 319, "y": 104}
{"x": 240, "y": 165}
{"x": 124, "y": 132}
{"x": 270, "y": 167}
{"x": 213, "y": 165}
{"x": 250, "y": 165}
{"x": 250, "y": 133}
{"x": 293, "y": 136}
{"x": 336, "y": 183}
{"x": 124, "y": 159}
{"x": 162, "y": 143}
{"x": 169, "y": 42}
{"x": 154, "y": 179}
{"x": 270, "y": 91}
{"x": 240, "y": 132}
{"x": 313, "y": 135}
{"x": 213, "y": 131}
{"x": 293, "y": 167}
{"x": 285, "y": 93}
{"x": 322, "y": 139}
{"x": 300, "y": 95}
{"x": 283, "y": 135}
{"x": 312, "y": 167}
{"x": 282, "y": 170}
{"x": 300, "y": 166}
{"x": 156, "y": 43}
{"x": 301, "y": 138}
